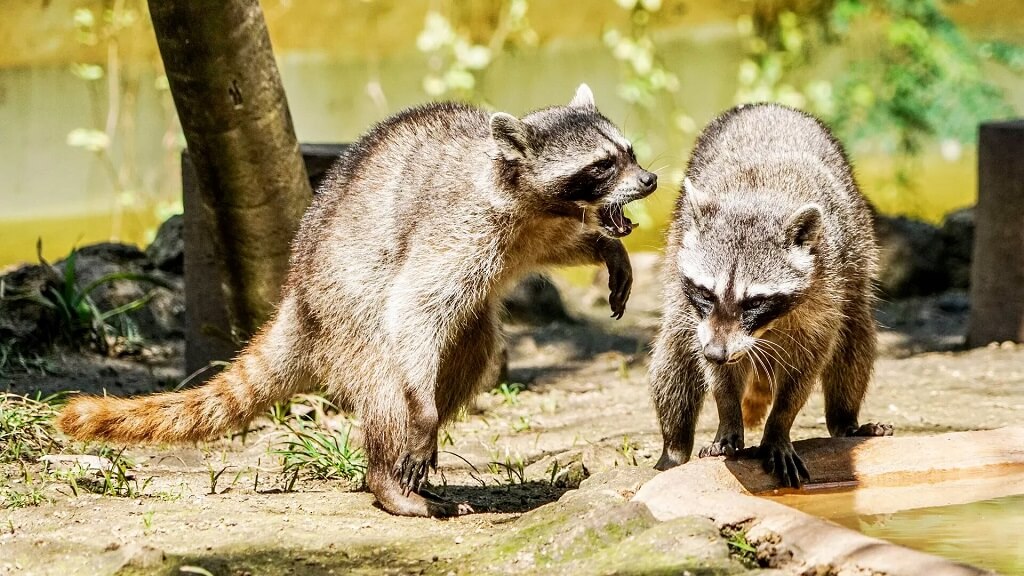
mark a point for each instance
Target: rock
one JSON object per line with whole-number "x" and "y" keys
{"x": 167, "y": 252}
{"x": 535, "y": 301}
{"x": 911, "y": 257}
{"x": 958, "y": 242}
{"x": 22, "y": 319}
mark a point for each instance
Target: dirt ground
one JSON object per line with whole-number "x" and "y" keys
{"x": 585, "y": 406}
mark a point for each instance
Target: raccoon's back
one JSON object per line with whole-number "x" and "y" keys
{"x": 752, "y": 133}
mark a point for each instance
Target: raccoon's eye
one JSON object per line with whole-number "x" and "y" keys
{"x": 603, "y": 165}
{"x": 754, "y": 303}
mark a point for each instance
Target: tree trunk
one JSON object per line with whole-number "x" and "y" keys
{"x": 233, "y": 111}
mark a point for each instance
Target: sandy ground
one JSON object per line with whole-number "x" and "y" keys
{"x": 585, "y": 406}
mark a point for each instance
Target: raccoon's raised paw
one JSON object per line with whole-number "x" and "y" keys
{"x": 870, "y": 429}
{"x": 780, "y": 459}
{"x": 728, "y": 446}
{"x": 620, "y": 283}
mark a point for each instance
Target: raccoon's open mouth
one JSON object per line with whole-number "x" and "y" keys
{"x": 614, "y": 221}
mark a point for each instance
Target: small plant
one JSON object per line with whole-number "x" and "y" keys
{"x": 26, "y": 426}
{"x": 147, "y": 521}
{"x": 522, "y": 425}
{"x": 509, "y": 392}
{"x": 320, "y": 453}
{"x": 513, "y": 469}
{"x": 115, "y": 479}
{"x": 628, "y": 451}
{"x": 740, "y": 548}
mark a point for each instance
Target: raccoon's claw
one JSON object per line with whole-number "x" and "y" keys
{"x": 870, "y": 429}
{"x": 728, "y": 446}
{"x": 411, "y": 472}
{"x": 780, "y": 459}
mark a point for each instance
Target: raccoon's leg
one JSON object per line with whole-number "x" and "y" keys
{"x": 845, "y": 382}
{"x": 678, "y": 389}
{"x": 776, "y": 449}
{"x": 727, "y": 384}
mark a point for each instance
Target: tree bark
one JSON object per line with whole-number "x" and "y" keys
{"x": 227, "y": 90}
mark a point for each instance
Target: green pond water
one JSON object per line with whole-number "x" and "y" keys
{"x": 988, "y": 533}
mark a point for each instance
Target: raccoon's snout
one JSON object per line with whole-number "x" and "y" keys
{"x": 648, "y": 182}
{"x": 719, "y": 354}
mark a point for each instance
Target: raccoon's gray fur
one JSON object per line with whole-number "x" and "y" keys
{"x": 396, "y": 275}
{"x": 768, "y": 288}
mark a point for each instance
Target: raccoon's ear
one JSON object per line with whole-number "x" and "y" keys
{"x": 696, "y": 197}
{"x": 584, "y": 98}
{"x": 803, "y": 228}
{"x": 512, "y": 136}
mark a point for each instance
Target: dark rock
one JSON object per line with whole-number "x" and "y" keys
{"x": 911, "y": 257}
{"x": 535, "y": 301}
{"x": 167, "y": 252}
{"x": 22, "y": 318}
{"x": 958, "y": 242}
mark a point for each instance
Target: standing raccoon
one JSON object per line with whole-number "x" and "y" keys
{"x": 396, "y": 274}
{"x": 768, "y": 289}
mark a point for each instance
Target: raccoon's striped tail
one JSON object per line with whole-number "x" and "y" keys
{"x": 255, "y": 380}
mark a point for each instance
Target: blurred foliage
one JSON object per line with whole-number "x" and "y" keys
{"x": 907, "y": 76}
{"x": 915, "y": 78}
{"x": 456, "y": 60}
{"x": 114, "y": 90}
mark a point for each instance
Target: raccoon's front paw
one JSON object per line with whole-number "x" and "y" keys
{"x": 869, "y": 429}
{"x": 728, "y": 446}
{"x": 779, "y": 458}
{"x": 620, "y": 274}
{"x": 411, "y": 470}
{"x": 620, "y": 284}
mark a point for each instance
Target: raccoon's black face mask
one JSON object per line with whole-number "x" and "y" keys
{"x": 578, "y": 161}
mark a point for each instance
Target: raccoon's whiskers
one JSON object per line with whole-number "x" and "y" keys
{"x": 794, "y": 340}
{"x": 755, "y": 354}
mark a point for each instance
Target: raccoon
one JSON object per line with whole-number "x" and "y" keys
{"x": 768, "y": 289}
{"x": 396, "y": 274}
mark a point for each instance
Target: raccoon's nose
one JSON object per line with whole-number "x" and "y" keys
{"x": 648, "y": 180}
{"x": 716, "y": 353}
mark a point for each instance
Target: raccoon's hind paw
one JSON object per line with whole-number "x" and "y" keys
{"x": 780, "y": 459}
{"x": 870, "y": 429}
{"x": 411, "y": 471}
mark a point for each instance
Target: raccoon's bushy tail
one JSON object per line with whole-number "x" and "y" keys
{"x": 756, "y": 400}
{"x": 255, "y": 380}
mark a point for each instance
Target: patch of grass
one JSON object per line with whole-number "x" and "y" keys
{"x": 509, "y": 392}
{"x": 26, "y": 426}
{"x": 320, "y": 453}
{"x": 740, "y": 548}
{"x": 29, "y": 493}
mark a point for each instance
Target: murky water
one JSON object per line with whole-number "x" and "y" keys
{"x": 985, "y": 533}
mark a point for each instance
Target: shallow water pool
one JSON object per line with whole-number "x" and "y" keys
{"x": 988, "y": 533}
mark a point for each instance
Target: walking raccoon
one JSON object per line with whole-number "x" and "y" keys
{"x": 395, "y": 279}
{"x": 768, "y": 289}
